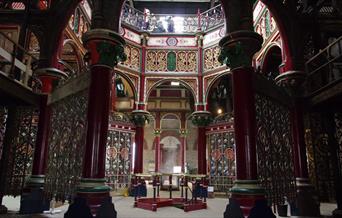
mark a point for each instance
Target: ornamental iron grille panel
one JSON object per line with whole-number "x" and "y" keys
{"x": 222, "y": 160}
{"x": 274, "y": 150}
{"x": 319, "y": 156}
{"x": 66, "y": 146}
{"x": 3, "y": 118}
{"x": 21, "y": 151}
{"x": 119, "y": 152}
{"x": 338, "y": 122}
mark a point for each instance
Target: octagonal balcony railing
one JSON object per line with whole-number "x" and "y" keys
{"x": 172, "y": 23}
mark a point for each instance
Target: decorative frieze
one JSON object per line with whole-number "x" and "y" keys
{"x": 171, "y": 61}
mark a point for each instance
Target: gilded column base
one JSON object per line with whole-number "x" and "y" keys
{"x": 91, "y": 195}
{"x": 32, "y": 198}
{"x": 307, "y": 203}
{"x": 248, "y": 199}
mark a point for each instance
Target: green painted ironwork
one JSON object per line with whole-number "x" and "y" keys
{"x": 171, "y": 61}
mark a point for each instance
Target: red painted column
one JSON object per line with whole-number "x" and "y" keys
{"x": 306, "y": 202}
{"x": 140, "y": 118}
{"x": 106, "y": 49}
{"x": 299, "y": 148}
{"x": 183, "y": 149}
{"x": 157, "y": 150}
{"x": 139, "y": 149}
{"x": 244, "y": 123}
{"x": 202, "y": 148}
{"x": 237, "y": 52}
{"x": 40, "y": 151}
{"x": 201, "y": 119}
{"x": 47, "y": 76}
{"x": 97, "y": 118}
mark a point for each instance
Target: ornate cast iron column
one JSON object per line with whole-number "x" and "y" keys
{"x": 33, "y": 192}
{"x": 201, "y": 119}
{"x": 157, "y": 133}
{"x": 183, "y": 133}
{"x": 106, "y": 50}
{"x": 237, "y": 50}
{"x": 139, "y": 117}
{"x": 306, "y": 204}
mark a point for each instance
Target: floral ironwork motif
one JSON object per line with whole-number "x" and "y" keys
{"x": 171, "y": 61}
{"x": 133, "y": 57}
{"x": 118, "y": 158}
{"x": 66, "y": 146}
{"x": 222, "y": 160}
{"x": 212, "y": 18}
{"x": 274, "y": 150}
{"x": 338, "y": 122}
{"x": 211, "y": 58}
{"x": 22, "y": 150}
{"x": 320, "y": 166}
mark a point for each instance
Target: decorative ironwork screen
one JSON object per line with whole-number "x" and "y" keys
{"x": 274, "y": 150}
{"x": 66, "y": 145}
{"x": 3, "y": 118}
{"x": 222, "y": 160}
{"x": 338, "y": 122}
{"x": 320, "y": 166}
{"x": 21, "y": 150}
{"x": 119, "y": 152}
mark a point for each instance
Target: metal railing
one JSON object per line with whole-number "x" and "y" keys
{"x": 325, "y": 68}
{"x": 221, "y": 183}
{"x": 19, "y": 70}
{"x": 172, "y": 23}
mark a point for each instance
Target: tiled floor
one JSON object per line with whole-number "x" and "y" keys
{"x": 125, "y": 209}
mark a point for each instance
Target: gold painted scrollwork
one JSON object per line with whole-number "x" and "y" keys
{"x": 192, "y": 61}
{"x": 181, "y": 61}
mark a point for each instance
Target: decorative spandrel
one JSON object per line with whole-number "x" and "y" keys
{"x": 22, "y": 149}
{"x": 66, "y": 146}
{"x": 222, "y": 160}
{"x": 118, "y": 158}
{"x": 274, "y": 150}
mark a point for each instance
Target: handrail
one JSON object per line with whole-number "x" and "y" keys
{"x": 325, "y": 67}
{"x": 338, "y": 40}
{"x": 16, "y": 65}
{"x": 153, "y": 23}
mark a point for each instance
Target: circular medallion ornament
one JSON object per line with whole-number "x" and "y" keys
{"x": 124, "y": 153}
{"x": 216, "y": 154}
{"x": 229, "y": 153}
{"x": 112, "y": 152}
{"x": 171, "y": 41}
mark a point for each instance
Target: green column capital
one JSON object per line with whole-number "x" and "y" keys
{"x": 105, "y": 47}
{"x": 201, "y": 118}
{"x": 140, "y": 117}
{"x": 238, "y": 48}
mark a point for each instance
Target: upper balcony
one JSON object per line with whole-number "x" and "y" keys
{"x": 325, "y": 71}
{"x": 172, "y": 23}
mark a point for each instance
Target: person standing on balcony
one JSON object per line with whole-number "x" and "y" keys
{"x": 170, "y": 25}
